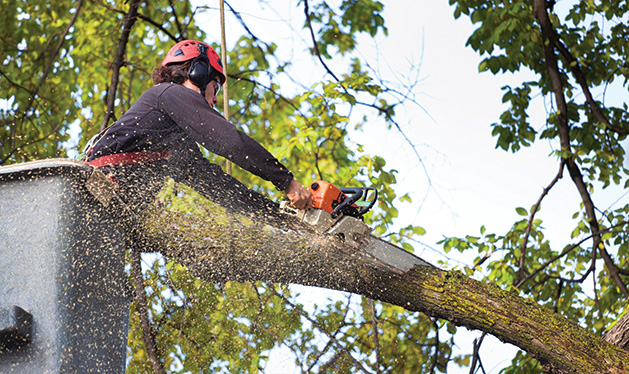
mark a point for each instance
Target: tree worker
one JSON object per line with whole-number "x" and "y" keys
{"x": 160, "y": 134}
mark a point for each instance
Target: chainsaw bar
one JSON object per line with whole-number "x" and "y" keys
{"x": 354, "y": 232}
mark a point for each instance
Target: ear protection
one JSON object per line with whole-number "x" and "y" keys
{"x": 201, "y": 72}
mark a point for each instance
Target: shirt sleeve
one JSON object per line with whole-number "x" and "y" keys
{"x": 189, "y": 110}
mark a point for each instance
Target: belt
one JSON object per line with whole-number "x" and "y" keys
{"x": 130, "y": 158}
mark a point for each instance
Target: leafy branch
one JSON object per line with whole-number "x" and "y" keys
{"x": 155, "y": 24}
{"x": 540, "y": 12}
{"x": 529, "y": 224}
{"x": 142, "y": 307}
{"x": 42, "y": 79}
{"x": 323, "y": 330}
{"x": 129, "y": 21}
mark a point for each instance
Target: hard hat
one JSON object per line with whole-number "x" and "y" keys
{"x": 190, "y": 49}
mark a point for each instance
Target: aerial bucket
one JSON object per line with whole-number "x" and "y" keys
{"x": 64, "y": 299}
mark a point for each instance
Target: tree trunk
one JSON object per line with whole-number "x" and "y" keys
{"x": 223, "y": 249}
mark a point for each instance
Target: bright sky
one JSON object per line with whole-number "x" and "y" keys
{"x": 473, "y": 183}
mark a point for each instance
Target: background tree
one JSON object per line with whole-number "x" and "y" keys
{"x": 81, "y": 65}
{"x": 576, "y": 52}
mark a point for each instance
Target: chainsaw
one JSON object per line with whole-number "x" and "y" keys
{"x": 338, "y": 212}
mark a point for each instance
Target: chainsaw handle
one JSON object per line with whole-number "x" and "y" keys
{"x": 356, "y": 192}
{"x": 373, "y": 201}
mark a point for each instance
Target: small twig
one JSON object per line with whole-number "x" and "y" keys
{"x": 558, "y": 296}
{"x": 376, "y": 339}
{"x": 314, "y": 41}
{"x": 529, "y": 225}
{"x": 598, "y": 304}
{"x": 177, "y": 23}
{"x": 140, "y": 16}
{"x": 476, "y": 354}
{"x": 328, "y": 345}
{"x": 435, "y": 356}
{"x": 244, "y": 25}
{"x": 53, "y": 131}
{"x": 190, "y": 20}
{"x": 325, "y": 349}
{"x": 131, "y": 71}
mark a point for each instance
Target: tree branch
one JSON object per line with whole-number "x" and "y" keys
{"x": 522, "y": 270}
{"x": 314, "y": 41}
{"x": 539, "y": 9}
{"x": 43, "y": 78}
{"x": 435, "y": 356}
{"x": 158, "y": 26}
{"x": 376, "y": 339}
{"x": 16, "y": 148}
{"x": 218, "y": 252}
{"x": 140, "y": 298}
{"x": 56, "y": 50}
{"x": 177, "y": 23}
{"x": 476, "y": 354}
{"x": 245, "y": 26}
{"x": 323, "y": 330}
{"x": 563, "y": 253}
{"x": 579, "y": 76}
{"x": 129, "y": 20}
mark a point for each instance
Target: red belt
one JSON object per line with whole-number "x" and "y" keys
{"x": 130, "y": 158}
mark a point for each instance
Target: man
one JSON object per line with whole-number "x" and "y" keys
{"x": 160, "y": 133}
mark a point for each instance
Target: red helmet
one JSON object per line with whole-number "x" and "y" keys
{"x": 187, "y": 50}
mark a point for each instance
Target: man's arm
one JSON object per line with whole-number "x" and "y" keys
{"x": 207, "y": 127}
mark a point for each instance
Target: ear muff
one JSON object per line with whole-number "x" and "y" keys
{"x": 201, "y": 71}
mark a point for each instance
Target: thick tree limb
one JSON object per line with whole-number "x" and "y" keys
{"x": 217, "y": 250}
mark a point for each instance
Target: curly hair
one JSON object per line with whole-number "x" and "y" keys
{"x": 173, "y": 73}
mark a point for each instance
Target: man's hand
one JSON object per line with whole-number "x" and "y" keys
{"x": 299, "y": 196}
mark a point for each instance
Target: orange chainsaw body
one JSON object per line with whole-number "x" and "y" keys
{"x": 326, "y": 196}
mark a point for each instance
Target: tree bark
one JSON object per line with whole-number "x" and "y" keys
{"x": 619, "y": 334}
{"x": 221, "y": 249}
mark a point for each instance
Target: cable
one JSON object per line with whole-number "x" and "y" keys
{"x": 228, "y": 164}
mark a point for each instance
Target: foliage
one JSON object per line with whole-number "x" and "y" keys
{"x": 588, "y": 39}
{"x": 57, "y": 60}
{"x": 55, "y": 81}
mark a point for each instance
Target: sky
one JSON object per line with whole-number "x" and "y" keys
{"x": 469, "y": 182}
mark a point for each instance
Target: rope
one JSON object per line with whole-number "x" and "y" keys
{"x": 228, "y": 164}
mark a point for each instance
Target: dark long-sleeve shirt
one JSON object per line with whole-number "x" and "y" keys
{"x": 168, "y": 115}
